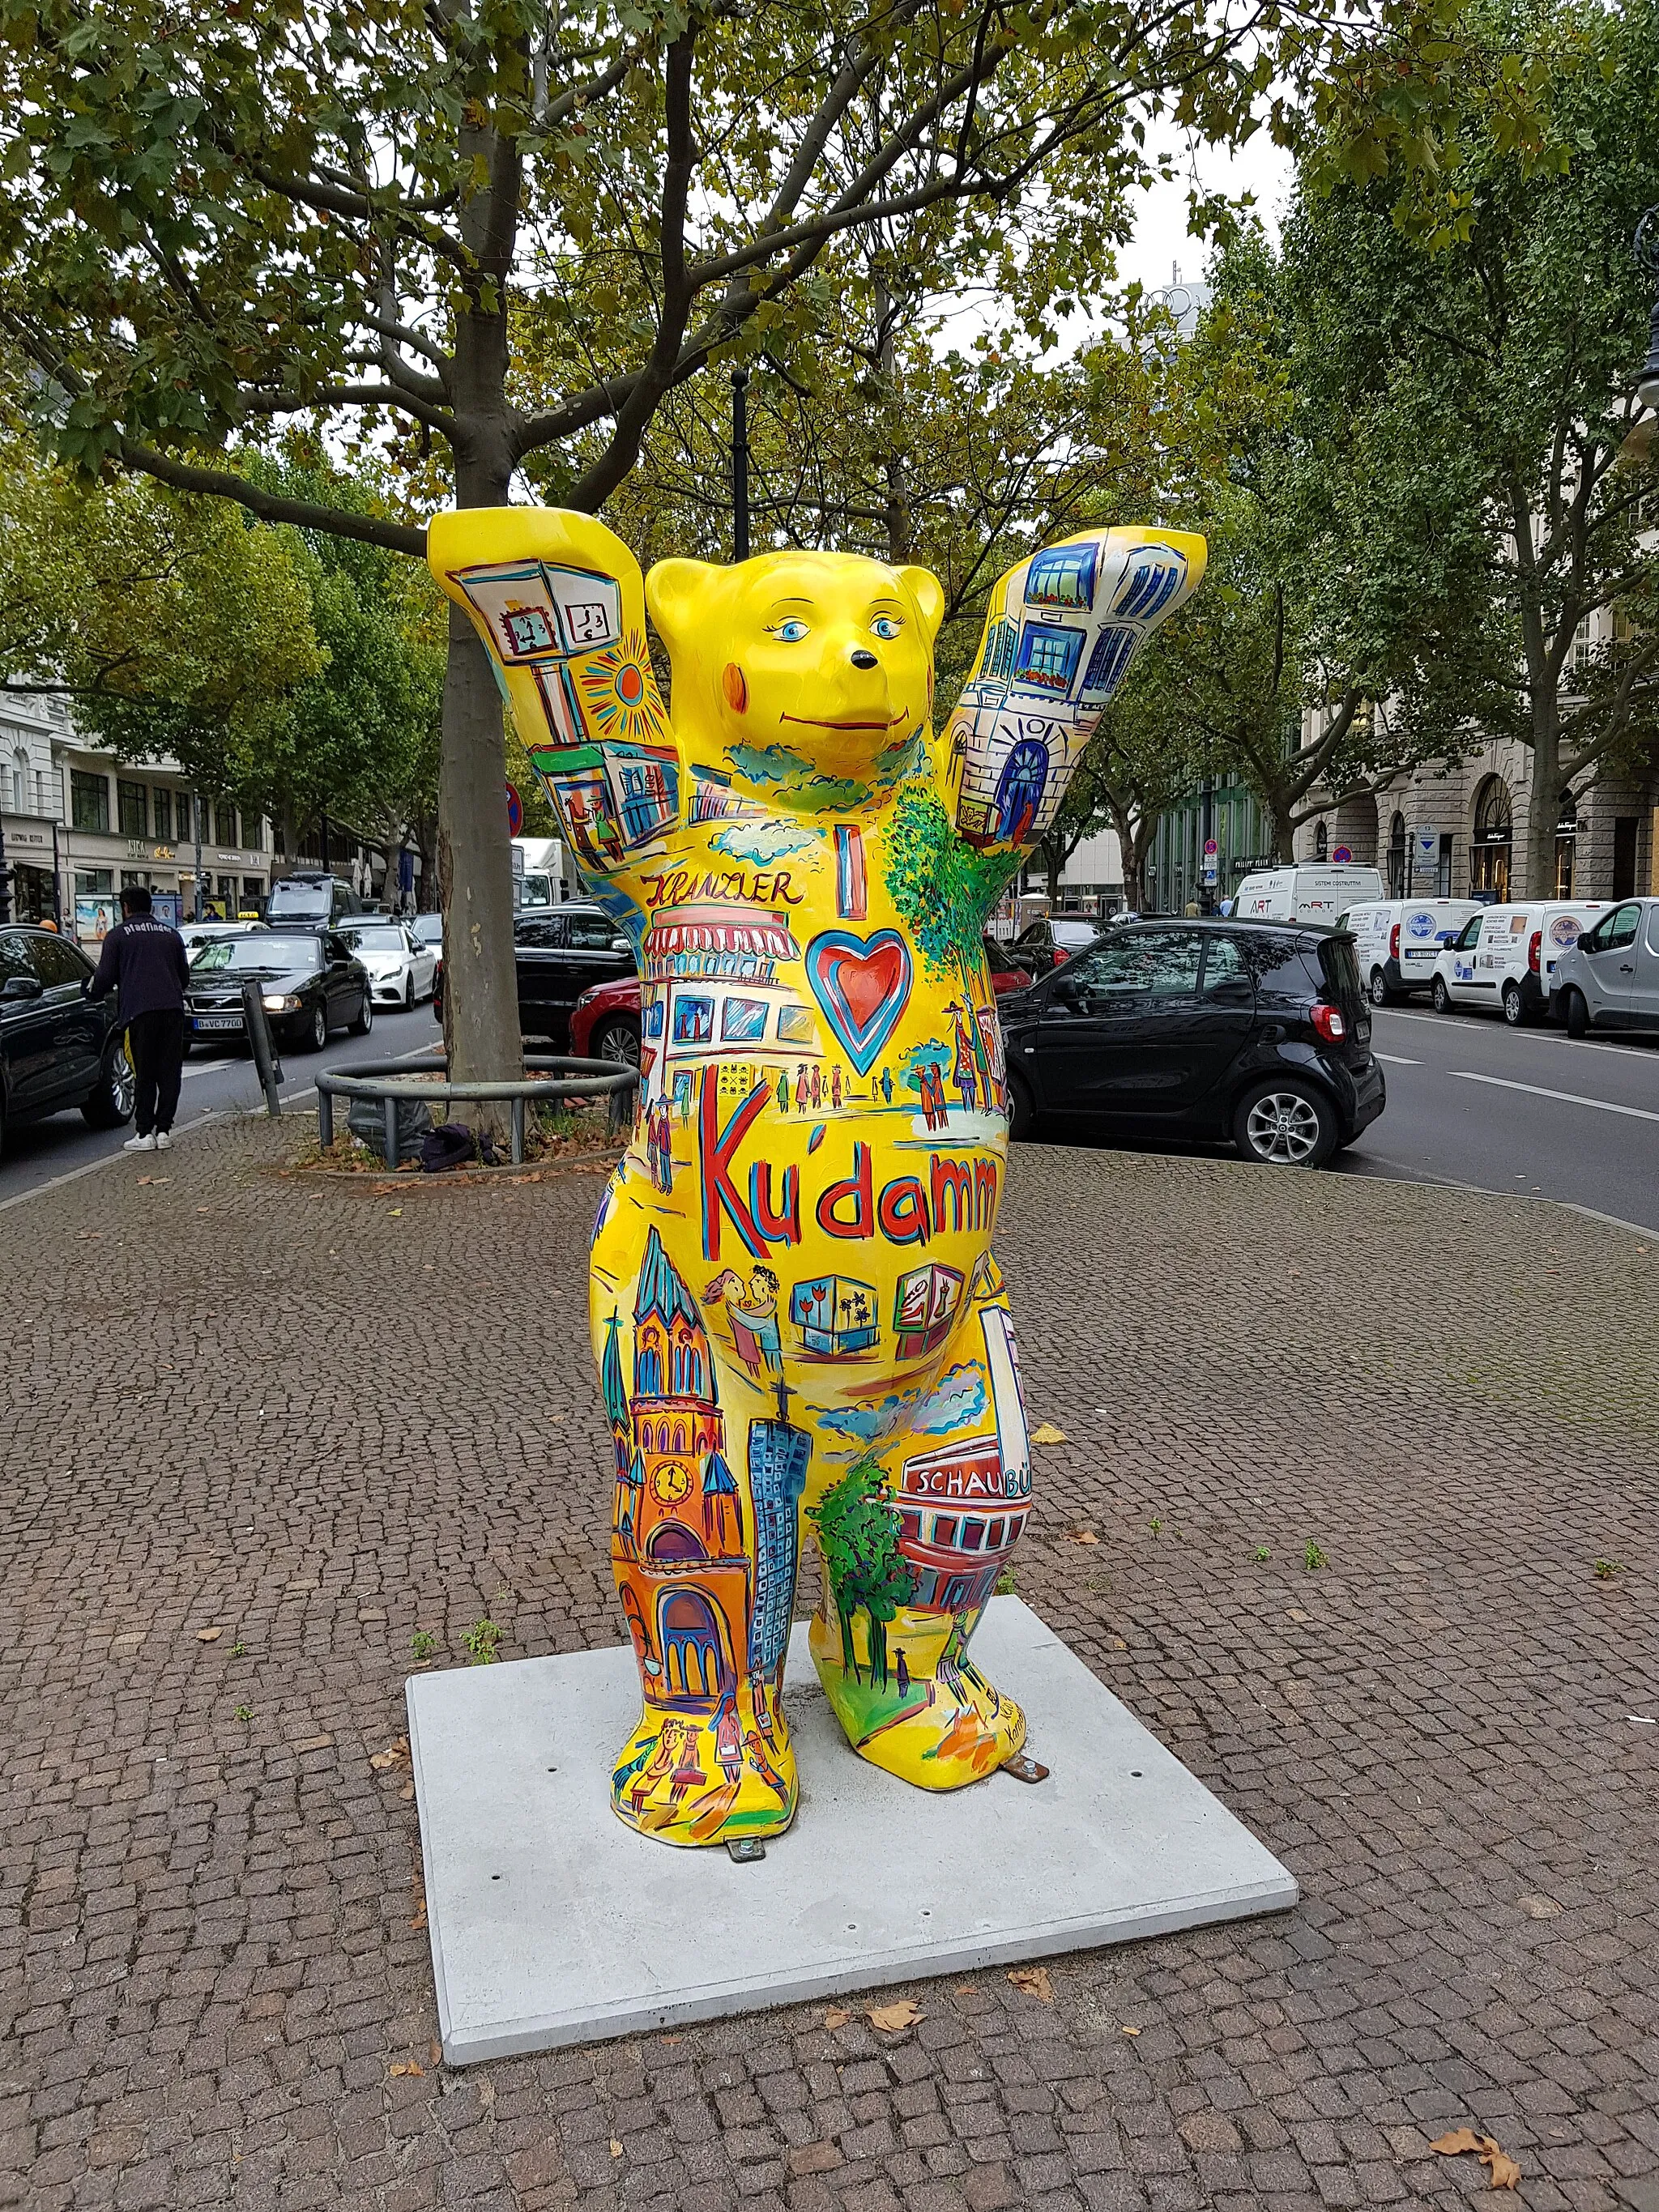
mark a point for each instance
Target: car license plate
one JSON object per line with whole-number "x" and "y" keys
{"x": 218, "y": 1021}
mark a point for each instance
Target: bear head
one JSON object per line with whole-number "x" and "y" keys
{"x": 798, "y": 671}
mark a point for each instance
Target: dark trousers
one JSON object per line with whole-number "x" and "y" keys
{"x": 156, "y": 1042}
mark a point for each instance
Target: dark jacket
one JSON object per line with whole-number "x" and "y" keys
{"x": 146, "y": 960}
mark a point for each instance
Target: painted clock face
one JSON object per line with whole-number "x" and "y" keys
{"x": 670, "y": 1484}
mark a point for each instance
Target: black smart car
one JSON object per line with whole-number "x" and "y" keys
{"x": 307, "y": 978}
{"x": 1257, "y": 1032}
{"x": 559, "y": 952}
{"x": 58, "y": 1048}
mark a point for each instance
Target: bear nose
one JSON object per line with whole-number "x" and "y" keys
{"x": 861, "y": 657}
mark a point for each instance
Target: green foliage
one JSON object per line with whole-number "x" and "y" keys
{"x": 1313, "y": 1558}
{"x": 422, "y": 1644}
{"x": 858, "y": 1527}
{"x": 481, "y": 1643}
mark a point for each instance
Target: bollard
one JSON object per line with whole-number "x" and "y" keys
{"x": 325, "y": 1117}
{"x": 259, "y": 1044}
{"x": 518, "y": 1132}
{"x": 392, "y": 1132}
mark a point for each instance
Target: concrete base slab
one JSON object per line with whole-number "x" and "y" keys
{"x": 552, "y": 1923}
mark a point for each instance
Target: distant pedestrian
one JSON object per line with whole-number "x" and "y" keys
{"x": 145, "y": 960}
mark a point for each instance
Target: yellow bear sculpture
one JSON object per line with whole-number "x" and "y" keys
{"x": 795, "y": 1311}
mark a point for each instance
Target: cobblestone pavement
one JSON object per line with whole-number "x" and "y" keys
{"x": 316, "y": 1415}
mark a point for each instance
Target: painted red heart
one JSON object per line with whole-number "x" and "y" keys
{"x": 862, "y": 983}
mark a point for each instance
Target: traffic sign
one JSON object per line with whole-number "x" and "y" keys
{"x": 1211, "y": 848}
{"x": 1342, "y": 854}
{"x": 514, "y": 813}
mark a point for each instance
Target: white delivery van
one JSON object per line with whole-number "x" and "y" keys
{"x": 1504, "y": 958}
{"x": 1311, "y": 891}
{"x": 1397, "y": 941}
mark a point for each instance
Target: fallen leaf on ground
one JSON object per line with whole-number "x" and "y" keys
{"x": 893, "y": 2017}
{"x": 419, "y": 1921}
{"x": 407, "y": 1791}
{"x": 1540, "y": 1908}
{"x": 1034, "y": 1980}
{"x": 436, "y": 2053}
{"x": 836, "y": 2018}
{"x": 408, "y": 2066}
{"x": 1505, "y": 2173}
{"x": 395, "y": 1751}
{"x": 1132, "y": 2030}
{"x": 209, "y": 1635}
{"x": 1046, "y": 1433}
{"x": 397, "y": 1212}
{"x": 1081, "y": 1536}
{"x": 616, "y": 2148}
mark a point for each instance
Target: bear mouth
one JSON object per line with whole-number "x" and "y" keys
{"x": 812, "y": 722}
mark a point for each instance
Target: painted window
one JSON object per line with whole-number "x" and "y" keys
{"x": 743, "y": 1021}
{"x": 1110, "y": 657}
{"x": 1062, "y": 577}
{"x": 1048, "y": 655}
{"x": 1151, "y": 585}
{"x": 795, "y": 1025}
{"x": 694, "y": 1020}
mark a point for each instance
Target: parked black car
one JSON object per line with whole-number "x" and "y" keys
{"x": 1256, "y": 1032}
{"x": 558, "y": 953}
{"x": 58, "y": 1048}
{"x": 308, "y": 979}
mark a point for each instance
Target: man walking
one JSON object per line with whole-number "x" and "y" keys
{"x": 145, "y": 960}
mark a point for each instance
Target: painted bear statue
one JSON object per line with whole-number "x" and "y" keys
{"x": 798, "y": 1325}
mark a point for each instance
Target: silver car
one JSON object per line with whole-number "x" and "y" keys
{"x": 1610, "y": 980}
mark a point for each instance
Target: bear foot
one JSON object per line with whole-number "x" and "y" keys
{"x": 692, "y": 1780}
{"x": 940, "y": 1730}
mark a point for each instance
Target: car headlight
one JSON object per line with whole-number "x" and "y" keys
{"x": 592, "y": 992}
{"x": 275, "y": 1003}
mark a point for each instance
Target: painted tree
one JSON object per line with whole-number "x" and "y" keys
{"x": 858, "y": 1527}
{"x": 943, "y": 890}
{"x": 482, "y": 231}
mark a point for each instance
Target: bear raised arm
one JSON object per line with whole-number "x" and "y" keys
{"x": 799, "y": 1324}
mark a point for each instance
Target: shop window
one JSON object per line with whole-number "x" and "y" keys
{"x": 1490, "y": 847}
{"x": 90, "y": 801}
{"x": 132, "y": 808}
{"x": 1626, "y": 829}
{"x": 1322, "y": 843}
{"x": 1566, "y": 838}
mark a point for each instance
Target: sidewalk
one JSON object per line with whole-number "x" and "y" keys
{"x": 374, "y": 1411}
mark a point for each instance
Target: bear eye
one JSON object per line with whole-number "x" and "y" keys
{"x": 887, "y": 625}
{"x": 790, "y": 632}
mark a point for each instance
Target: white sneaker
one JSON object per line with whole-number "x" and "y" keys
{"x": 164, "y": 1141}
{"x": 139, "y": 1145}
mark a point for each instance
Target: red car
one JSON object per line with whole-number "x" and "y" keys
{"x": 605, "y": 1021}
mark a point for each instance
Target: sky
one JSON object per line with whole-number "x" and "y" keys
{"x": 1160, "y": 242}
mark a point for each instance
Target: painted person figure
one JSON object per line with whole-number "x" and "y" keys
{"x": 828, "y": 912}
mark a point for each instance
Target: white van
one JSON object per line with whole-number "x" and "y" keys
{"x": 1504, "y": 958}
{"x": 1312, "y": 891}
{"x": 1397, "y": 942}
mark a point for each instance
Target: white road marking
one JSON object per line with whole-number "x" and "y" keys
{"x": 205, "y": 1068}
{"x": 1394, "y": 1059}
{"x": 1524, "y": 1036}
{"x": 1567, "y": 1097}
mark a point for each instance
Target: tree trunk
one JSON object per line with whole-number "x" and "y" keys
{"x": 1281, "y": 829}
{"x": 1545, "y": 807}
{"x": 481, "y": 999}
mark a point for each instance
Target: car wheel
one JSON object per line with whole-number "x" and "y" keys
{"x": 409, "y": 995}
{"x": 365, "y": 1021}
{"x": 1439, "y": 996}
{"x": 1021, "y": 1109}
{"x": 618, "y": 1041}
{"x": 1579, "y": 1020}
{"x": 1381, "y": 995}
{"x": 111, "y": 1101}
{"x": 317, "y": 1034}
{"x": 1285, "y": 1124}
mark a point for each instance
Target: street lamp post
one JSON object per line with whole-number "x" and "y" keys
{"x": 1646, "y": 247}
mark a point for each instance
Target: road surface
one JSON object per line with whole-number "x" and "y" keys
{"x": 215, "y": 1083}
{"x": 1527, "y": 1111}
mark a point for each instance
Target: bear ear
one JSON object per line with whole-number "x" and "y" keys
{"x": 926, "y": 589}
{"x": 677, "y": 593}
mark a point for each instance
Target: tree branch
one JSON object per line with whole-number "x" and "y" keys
{"x": 270, "y": 506}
